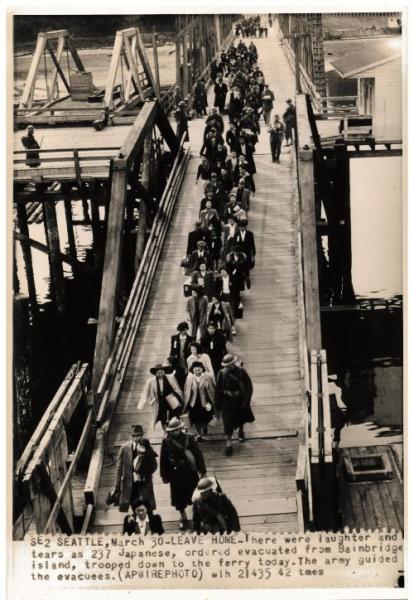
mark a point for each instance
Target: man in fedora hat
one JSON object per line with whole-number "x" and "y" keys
{"x": 198, "y": 234}
{"x": 213, "y": 511}
{"x": 180, "y": 351}
{"x": 234, "y": 390}
{"x": 196, "y": 308}
{"x": 245, "y": 241}
{"x": 163, "y": 393}
{"x": 289, "y": 118}
{"x": 181, "y": 463}
{"x": 134, "y": 480}
{"x": 198, "y": 256}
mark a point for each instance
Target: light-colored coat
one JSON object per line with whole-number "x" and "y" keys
{"x": 204, "y": 359}
{"x": 149, "y": 394}
{"x": 207, "y": 389}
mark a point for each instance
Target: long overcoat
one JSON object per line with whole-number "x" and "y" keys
{"x": 149, "y": 394}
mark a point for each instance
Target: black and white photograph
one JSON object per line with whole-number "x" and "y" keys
{"x": 208, "y": 278}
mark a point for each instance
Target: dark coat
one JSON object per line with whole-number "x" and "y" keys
{"x": 203, "y": 171}
{"x": 220, "y": 93}
{"x": 196, "y": 236}
{"x": 131, "y": 525}
{"x": 176, "y": 469}
{"x": 215, "y": 346}
{"x": 215, "y": 513}
{"x": 217, "y": 121}
{"x": 248, "y": 246}
{"x": 234, "y": 390}
{"x": 209, "y": 282}
{"x": 175, "y": 349}
{"x": 124, "y": 475}
{"x": 195, "y": 260}
{"x": 238, "y": 270}
{"x": 219, "y": 286}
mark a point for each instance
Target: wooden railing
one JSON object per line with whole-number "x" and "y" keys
{"x": 43, "y": 477}
{"x": 115, "y": 367}
{"x": 64, "y": 163}
{"x": 315, "y": 449}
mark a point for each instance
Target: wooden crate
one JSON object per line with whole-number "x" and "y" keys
{"x": 81, "y": 86}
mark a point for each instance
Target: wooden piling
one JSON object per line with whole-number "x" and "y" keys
{"x": 55, "y": 262}
{"x": 156, "y": 66}
{"x": 22, "y": 373}
{"x": 69, "y": 228}
{"x": 27, "y": 253}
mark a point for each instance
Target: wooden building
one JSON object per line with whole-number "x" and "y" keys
{"x": 377, "y": 67}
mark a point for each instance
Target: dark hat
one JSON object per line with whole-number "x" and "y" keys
{"x": 204, "y": 484}
{"x": 228, "y": 360}
{"x": 139, "y": 502}
{"x": 197, "y": 363}
{"x": 288, "y": 100}
{"x": 30, "y": 127}
{"x": 166, "y": 368}
{"x": 201, "y": 244}
{"x": 174, "y": 424}
{"x": 137, "y": 429}
{"x": 183, "y": 326}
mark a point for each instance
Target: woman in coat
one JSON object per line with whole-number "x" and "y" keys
{"x": 220, "y": 314}
{"x": 163, "y": 393}
{"x": 199, "y": 394}
{"x": 197, "y": 355}
{"x": 181, "y": 464}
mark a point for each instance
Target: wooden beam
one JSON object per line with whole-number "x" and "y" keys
{"x": 57, "y": 65}
{"x": 136, "y": 136}
{"x": 113, "y": 67}
{"x": 132, "y": 66}
{"x": 55, "y": 261}
{"x": 144, "y": 60}
{"x": 143, "y": 208}
{"x": 308, "y": 222}
{"x": 54, "y": 86}
{"x": 74, "y": 263}
{"x": 74, "y": 54}
{"x": 164, "y": 125}
{"x": 111, "y": 271}
{"x": 27, "y": 254}
{"x": 29, "y": 87}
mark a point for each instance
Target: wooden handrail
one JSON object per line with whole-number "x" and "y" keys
{"x": 115, "y": 367}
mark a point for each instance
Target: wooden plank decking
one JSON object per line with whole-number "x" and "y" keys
{"x": 260, "y": 476}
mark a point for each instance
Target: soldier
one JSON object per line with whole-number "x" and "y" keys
{"x": 277, "y": 132}
{"x": 289, "y": 118}
{"x": 213, "y": 512}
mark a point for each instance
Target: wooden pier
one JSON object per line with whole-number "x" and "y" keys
{"x": 260, "y": 476}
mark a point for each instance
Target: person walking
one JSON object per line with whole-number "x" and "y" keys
{"x": 196, "y": 308}
{"x": 197, "y": 355}
{"x": 213, "y": 343}
{"x": 182, "y": 121}
{"x": 220, "y": 314}
{"x": 234, "y": 390}
{"x": 180, "y": 351}
{"x": 245, "y": 241}
{"x": 276, "y": 135}
{"x": 163, "y": 393}
{"x": 220, "y": 94}
{"x": 213, "y": 511}
{"x": 197, "y": 235}
{"x": 267, "y": 103}
{"x": 204, "y": 278}
{"x": 137, "y": 462}
{"x": 142, "y": 521}
{"x": 181, "y": 464}
{"x": 200, "y": 255}
{"x": 199, "y": 393}
{"x": 289, "y": 118}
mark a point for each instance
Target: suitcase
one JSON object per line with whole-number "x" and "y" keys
{"x": 187, "y": 287}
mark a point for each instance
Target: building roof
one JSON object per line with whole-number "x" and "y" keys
{"x": 369, "y": 54}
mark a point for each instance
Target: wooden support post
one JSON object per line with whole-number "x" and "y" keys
{"x": 185, "y": 65}
{"x": 69, "y": 228}
{"x": 27, "y": 253}
{"x": 218, "y": 31}
{"x": 22, "y": 373}
{"x": 54, "y": 86}
{"x": 112, "y": 269}
{"x": 55, "y": 262}
{"x": 29, "y": 88}
{"x": 96, "y": 232}
{"x": 178, "y": 61}
{"x": 57, "y": 65}
{"x": 143, "y": 208}
{"x": 156, "y": 66}
{"x": 296, "y": 42}
{"x": 308, "y": 222}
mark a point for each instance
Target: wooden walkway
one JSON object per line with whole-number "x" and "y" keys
{"x": 260, "y": 476}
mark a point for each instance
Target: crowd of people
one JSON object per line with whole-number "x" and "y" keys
{"x": 200, "y": 377}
